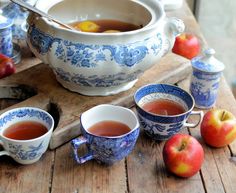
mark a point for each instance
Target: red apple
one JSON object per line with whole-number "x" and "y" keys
{"x": 7, "y": 66}
{"x": 218, "y": 127}
{"x": 186, "y": 45}
{"x": 183, "y": 155}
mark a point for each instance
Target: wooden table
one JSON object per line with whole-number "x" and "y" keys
{"x": 142, "y": 171}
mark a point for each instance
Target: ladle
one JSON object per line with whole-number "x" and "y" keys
{"x": 35, "y": 10}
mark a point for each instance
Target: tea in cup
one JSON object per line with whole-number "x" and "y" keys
{"x": 163, "y": 110}
{"x": 110, "y": 133}
{"x": 25, "y": 133}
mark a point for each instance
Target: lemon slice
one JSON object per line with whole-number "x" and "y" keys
{"x": 88, "y": 26}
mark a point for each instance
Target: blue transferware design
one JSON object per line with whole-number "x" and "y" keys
{"x": 18, "y": 15}
{"x": 29, "y": 151}
{"x": 161, "y": 127}
{"x": 89, "y": 56}
{"x": 105, "y": 150}
{"x": 207, "y": 63}
{"x": 205, "y": 79}
{"x": 159, "y": 131}
{"x": 42, "y": 42}
{"x": 25, "y": 113}
{"x": 206, "y": 76}
{"x": 6, "y": 45}
{"x": 32, "y": 153}
{"x": 204, "y": 90}
{"x": 95, "y": 80}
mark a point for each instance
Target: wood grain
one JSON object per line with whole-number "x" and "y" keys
{"x": 90, "y": 177}
{"x": 26, "y": 179}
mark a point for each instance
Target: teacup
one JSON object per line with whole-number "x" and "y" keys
{"x": 13, "y": 138}
{"x": 162, "y": 126}
{"x": 102, "y": 148}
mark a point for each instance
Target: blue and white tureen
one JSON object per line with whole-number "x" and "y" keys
{"x": 101, "y": 63}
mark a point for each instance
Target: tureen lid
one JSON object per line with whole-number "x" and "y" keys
{"x": 207, "y": 62}
{"x": 5, "y": 22}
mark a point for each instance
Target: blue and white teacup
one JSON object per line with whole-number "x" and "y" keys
{"x": 25, "y": 151}
{"x": 162, "y": 127}
{"x": 103, "y": 149}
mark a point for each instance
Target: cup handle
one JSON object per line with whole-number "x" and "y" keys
{"x": 3, "y": 152}
{"x": 191, "y": 125}
{"x": 76, "y": 143}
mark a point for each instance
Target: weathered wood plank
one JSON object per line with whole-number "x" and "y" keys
{"x": 89, "y": 177}
{"x": 40, "y": 101}
{"x": 26, "y": 179}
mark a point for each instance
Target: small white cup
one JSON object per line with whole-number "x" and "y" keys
{"x": 25, "y": 151}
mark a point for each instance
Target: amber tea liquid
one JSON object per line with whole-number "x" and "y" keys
{"x": 25, "y": 130}
{"x": 163, "y": 107}
{"x": 109, "y": 129}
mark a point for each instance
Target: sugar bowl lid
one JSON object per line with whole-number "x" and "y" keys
{"x": 207, "y": 62}
{"x": 5, "y": 22}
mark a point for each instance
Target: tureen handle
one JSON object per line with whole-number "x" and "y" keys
{"x": 173, "y": 27}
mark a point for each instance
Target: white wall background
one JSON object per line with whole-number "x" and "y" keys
{"x": 217, "y": 19}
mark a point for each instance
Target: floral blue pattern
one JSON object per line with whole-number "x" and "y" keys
{"x": 21, "y": 153}
{"x": 26, "y": 151}
{"x": 25, "y": 113}
{"x": 41, "y": 42}
{"x": 105, "y": 150}
{"x": 89, "y": 56}
{"x": 19, "y": 15}
{"x": 95, "y": 80}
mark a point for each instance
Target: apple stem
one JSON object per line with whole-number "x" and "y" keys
{"x": 223, "y": 116}
{"x": 183, "y": 145}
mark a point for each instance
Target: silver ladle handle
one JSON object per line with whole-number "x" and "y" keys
{"x": 39, "y": 12}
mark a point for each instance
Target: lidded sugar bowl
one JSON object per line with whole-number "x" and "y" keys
{"x": 207, "y": 71}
